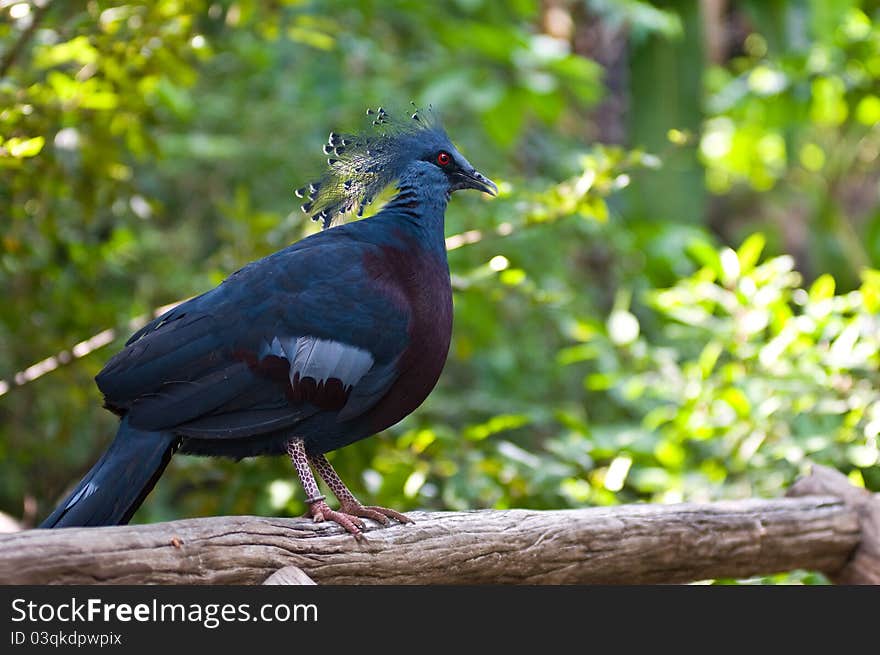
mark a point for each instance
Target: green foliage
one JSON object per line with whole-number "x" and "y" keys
{"x": 792, "y": 131}
{"x": 749, "y": 378}
{"x": 642, "y": 18}
{"x": 691, "y": 316}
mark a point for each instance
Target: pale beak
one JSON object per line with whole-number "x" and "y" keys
{"x": 473, "y": 179}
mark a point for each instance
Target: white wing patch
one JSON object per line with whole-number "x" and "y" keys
{"x": 273, "y": 348}
{"x": 320, "y": 359}
{"x": 82, "y": 494}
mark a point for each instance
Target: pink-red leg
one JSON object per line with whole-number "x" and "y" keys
{"x": 347, "y": 501}
{"x": 318, "y": 509}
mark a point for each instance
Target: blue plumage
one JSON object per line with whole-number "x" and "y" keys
{"x": 325, "y": 342}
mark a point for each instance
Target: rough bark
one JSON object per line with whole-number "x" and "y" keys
{"x": 625, "y": 544}
{"x": 863, "y": 567}
{"x": 27, "y": 34}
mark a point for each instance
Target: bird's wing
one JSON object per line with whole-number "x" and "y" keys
{"x": 293, "y": 334}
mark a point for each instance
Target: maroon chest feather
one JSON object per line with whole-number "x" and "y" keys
{"x": 418, "y": 282}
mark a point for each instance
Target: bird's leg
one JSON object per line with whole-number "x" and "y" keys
{"x": 347, "y": 502}
{"x": 318, "y": 509}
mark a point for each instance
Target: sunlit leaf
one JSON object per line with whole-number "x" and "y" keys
{"x": 21, "y": 148}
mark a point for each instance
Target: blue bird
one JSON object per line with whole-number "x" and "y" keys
{"x": 319, "y": 345}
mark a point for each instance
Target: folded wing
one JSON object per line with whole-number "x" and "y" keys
{"x": 261, "y": 352}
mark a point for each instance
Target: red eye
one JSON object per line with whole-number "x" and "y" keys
{"x": 443, "y": 158}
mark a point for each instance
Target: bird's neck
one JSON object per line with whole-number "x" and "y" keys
{"x": 420, "y": 210}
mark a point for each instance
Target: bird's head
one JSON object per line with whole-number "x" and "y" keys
{"x": 362, "y": 166}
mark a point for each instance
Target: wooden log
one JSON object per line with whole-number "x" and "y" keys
{"x": 625, "y": 544}
{"x": 289, "y": 575}
{"x": 863, "y": 567}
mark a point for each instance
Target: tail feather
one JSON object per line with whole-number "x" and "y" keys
{"x": 118, "y": 483}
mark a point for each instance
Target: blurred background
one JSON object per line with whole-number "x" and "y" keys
{"x": 673, "y": 299}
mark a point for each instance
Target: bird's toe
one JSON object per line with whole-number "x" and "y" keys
{"x": 378, "y": 514}
{"x": 320, "y": 512}
{"x": 394, "y": 514}
{"x": 371, "y": 513}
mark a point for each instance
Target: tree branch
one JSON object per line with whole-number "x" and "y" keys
{"x": 15, "y": 49}
{"x": 863, "y": 567}
{"x": 624, "y": 544}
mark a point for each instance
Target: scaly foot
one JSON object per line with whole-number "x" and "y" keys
{"x": 320, "y": 512}
{"x": 350, "y": 514}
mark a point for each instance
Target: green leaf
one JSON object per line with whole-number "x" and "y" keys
{"x": 21, "y": 148}
{"x": 750, "y": 252}
{"x": 738, "y": 400}
{"x": 822, "y": 288}
{"x": 496, "y": 424}
{"x": 705, "y": 254}
{"x": 709, "y": 357}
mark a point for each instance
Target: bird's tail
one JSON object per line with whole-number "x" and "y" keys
{"x": 117, "y": 484}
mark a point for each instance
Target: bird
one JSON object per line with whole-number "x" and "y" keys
{"x": 330, "y": 340}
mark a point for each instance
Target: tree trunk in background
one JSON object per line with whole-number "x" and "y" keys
{"x": 714, "y": 30}
{"x": 606, "y": 45}
{"x": 635, "y": 69}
